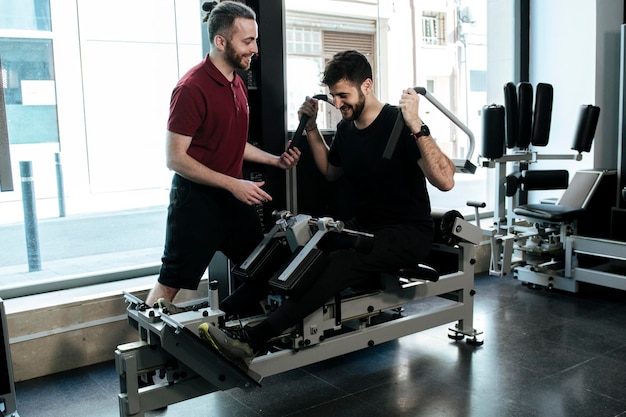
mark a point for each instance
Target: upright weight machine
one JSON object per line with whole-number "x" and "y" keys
{"x": 548, "y": 244}
{"x": 511, "y": 134}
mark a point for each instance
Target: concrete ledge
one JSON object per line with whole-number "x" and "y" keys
{"x": 63, "y": 330}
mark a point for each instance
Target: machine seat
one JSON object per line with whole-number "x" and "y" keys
{"x": 394, "y": 280}
{"x": 404, "y": 276}
{"x": 549, "y": 212}
{"x": 573, "y": 203}
{"x": 420, "y": 271}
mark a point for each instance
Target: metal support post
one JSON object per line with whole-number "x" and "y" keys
{"x": 60, "y": 188}
{"x": 30, "y": 216}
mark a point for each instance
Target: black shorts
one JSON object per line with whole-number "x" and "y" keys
{"x": 200, "y": 221}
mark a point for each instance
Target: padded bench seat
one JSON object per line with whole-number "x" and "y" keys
{"x": 391, "y": 281}
{"x": 549, "y": 212}
{"x": 420, "y": 271}
{"x": 405, "y": 276}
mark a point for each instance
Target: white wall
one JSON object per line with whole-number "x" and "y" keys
{"x": 500, "y": 49}
{"x": 574, "y": 46}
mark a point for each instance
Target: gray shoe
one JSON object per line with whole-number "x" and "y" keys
{"x": 233, "y": 343}
{"x": 168, "y": 307}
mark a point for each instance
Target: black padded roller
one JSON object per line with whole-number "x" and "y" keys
{"x": 543, "y": 114}
{"x": 587, "y": 123}
{"x": 493, "y": 131}
{"x": 512, "y": 183}
{"x": 444, "y": 226}
{"x": 554, "y": 179}
{"x": 512, "y": 114}
{"x": 525, "y": 108}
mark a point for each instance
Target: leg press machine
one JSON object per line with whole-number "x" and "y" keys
{"x": 169, "y": 345}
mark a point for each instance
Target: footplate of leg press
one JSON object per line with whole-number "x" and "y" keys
{"x": 188, "y": 348}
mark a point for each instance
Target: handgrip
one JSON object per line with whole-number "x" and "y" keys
{"x": 298, "y": 134}
{"x": 478, "y": 204}
{"x": 464, "y": 165}
{"x": 394, "y": 137}
{"x": 397, "y": 129}
{"x": 305, "y": 118}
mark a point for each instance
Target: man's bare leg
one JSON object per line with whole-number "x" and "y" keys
{"x": 161, "y": 291}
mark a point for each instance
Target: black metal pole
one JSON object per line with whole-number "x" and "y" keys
{"x": 30, "y": 216}
{"x": 60, "y": 189}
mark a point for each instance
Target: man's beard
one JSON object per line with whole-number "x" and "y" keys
{"x": 234, "y": 59}
{"x": 357, "y": 109}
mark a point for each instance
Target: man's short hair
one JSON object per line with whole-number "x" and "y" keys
{"x": 221, "y": 16}
{"x": 351, "y": 65}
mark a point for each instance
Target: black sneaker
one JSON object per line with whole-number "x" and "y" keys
{"x": 233, "y": 343}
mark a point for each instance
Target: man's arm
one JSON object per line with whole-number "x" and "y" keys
{"x": 184, "y": 165}
{"x": 318, "y": 146}
{"x": 286, "y": 160}
{"x": 437, "y": 167}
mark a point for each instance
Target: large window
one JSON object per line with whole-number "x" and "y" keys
{"x": 311, "y": 41}
{"x": 433, "y": 28}
{"x": 29, "y": 90}
{"x": 25, "y": 15}
{"x": 93, "y": 84}
{"x": 440, "y": 45}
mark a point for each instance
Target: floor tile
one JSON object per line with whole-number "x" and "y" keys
{"x": 545, "y": 353}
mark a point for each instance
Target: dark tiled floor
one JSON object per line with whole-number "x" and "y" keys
{"x": 546, "y": 353}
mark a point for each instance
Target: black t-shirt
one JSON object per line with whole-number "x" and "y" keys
{"x": 387, "y": 191}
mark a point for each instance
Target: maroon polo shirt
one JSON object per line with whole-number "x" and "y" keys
{"x": 214, "y": 112}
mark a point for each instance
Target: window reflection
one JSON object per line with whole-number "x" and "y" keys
{"x": 29, "y": 90}
{"x": 25, "y": 14}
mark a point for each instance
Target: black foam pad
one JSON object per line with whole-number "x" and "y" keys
{"x": 525, "y": 108}
{"x": 554, "y": 179}
{"x": 512, "y": 183}
{"x": 493, "y": 131}
{"x": 512, "y": 114}
{"x": 587, "y": 123}
{"x": 549, "y": 212}
{"x": 543, "y": 115}
{"x": 444, "y": 225}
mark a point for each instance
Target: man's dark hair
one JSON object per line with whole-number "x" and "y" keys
{"x": 220, "y": 17}
{"x": 352, "y": 66}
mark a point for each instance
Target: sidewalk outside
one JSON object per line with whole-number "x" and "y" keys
{"x": 84, "y": 244}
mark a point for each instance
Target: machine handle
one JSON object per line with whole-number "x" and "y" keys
{"x": 477, "y": 204}
{"x": 464, "y": 166}
{"x": 298, "y": 134}
{"x": 305, "y": 118}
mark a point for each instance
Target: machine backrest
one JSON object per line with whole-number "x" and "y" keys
{"x": 580, "y": 190}
{"x": 595, "y": 190}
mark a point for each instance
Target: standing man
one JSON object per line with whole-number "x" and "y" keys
{"x": 211, "y": 205}
{"x": 392, "y": 201}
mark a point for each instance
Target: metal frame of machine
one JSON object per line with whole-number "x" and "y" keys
{"x": 548, "y": 249}
{"x": 170, "y": 347}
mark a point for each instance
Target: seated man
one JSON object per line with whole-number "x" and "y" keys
{"x": 392, "y": 202}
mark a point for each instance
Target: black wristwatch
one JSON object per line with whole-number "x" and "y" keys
{"x": 424, "y": 131}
